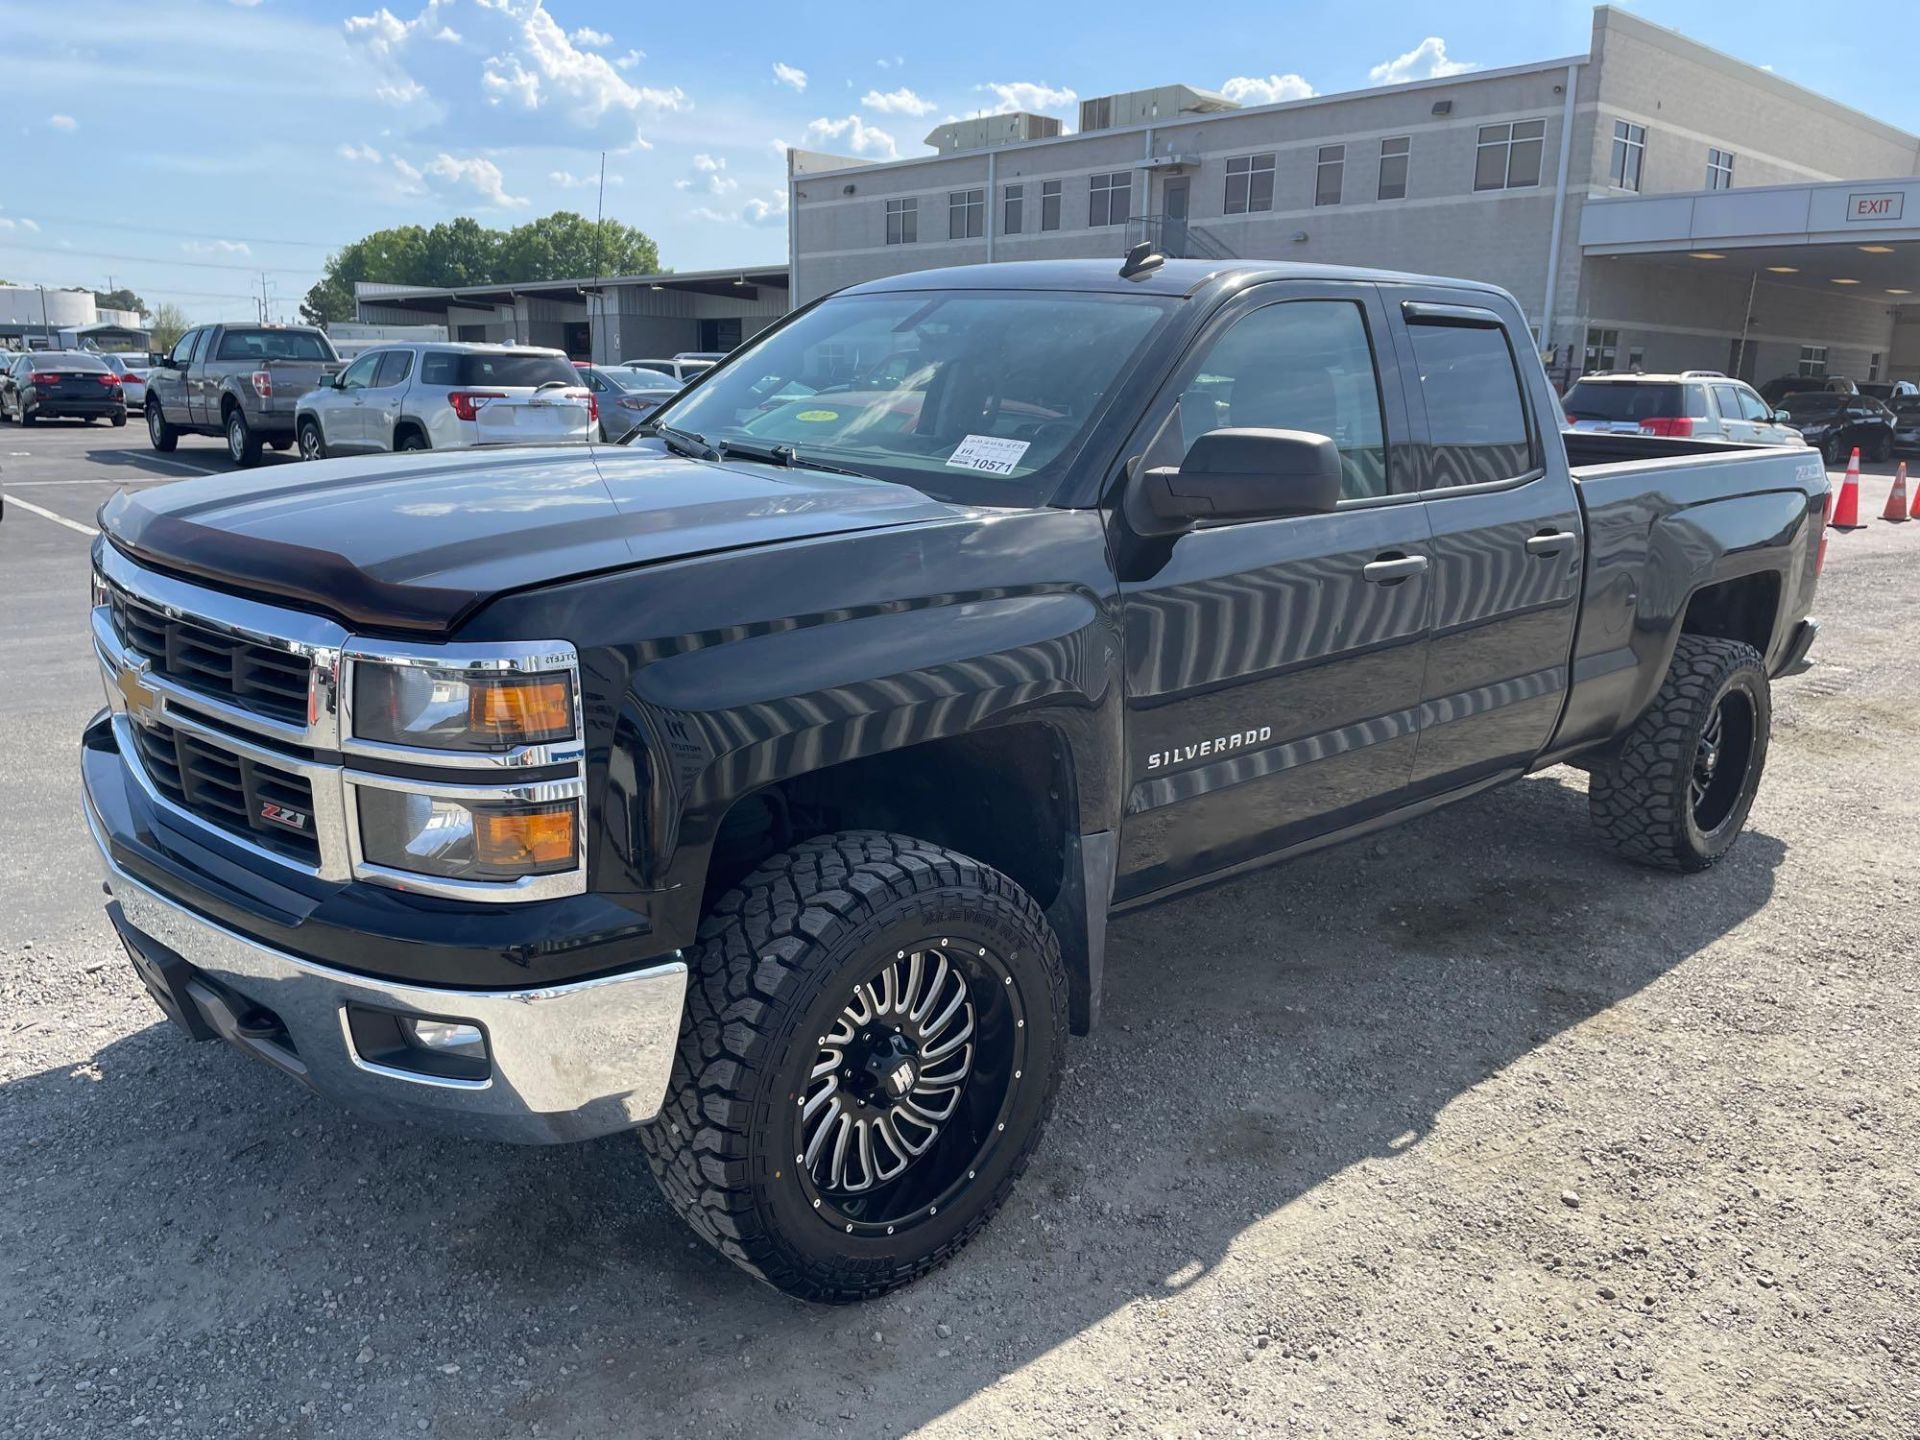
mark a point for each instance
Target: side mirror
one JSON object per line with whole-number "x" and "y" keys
{"x": 1237, "y": 475}
{"x": 1781, "y": 417}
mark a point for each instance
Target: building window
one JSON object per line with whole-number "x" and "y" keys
{"x": 1016, "y": 202}
{"x": 1109, "y": 198}
{"x": 1050, "y": 204}
{"x": 1603, "y": 347}
{"x": 1509, "y": 155}
{"x": 1096, "y": 114}
{"x": 1629, "y": 152}
{"x": 1636, "y": 357}
{"x": 966, "y": 214}
{"x": 1393, "y": 167}
{"x": 1249, "y": 184}
{"x": 1328, "y": 174}
{"x": 903, "y": 222}
{"x": 1813, "y": 361}
{"x": 1719, "y": 169}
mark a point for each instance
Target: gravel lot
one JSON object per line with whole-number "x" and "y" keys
{"x": 1464, "y": 1131}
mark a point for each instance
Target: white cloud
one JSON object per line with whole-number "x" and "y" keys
{"x": 63, "y": 122}
{"x": 481, "y": 176}
{"x": 1026, "y": 95}
{"x": 30, "y": 226}
{"x": 1252, "y": 90}
{"x": 366, "y": 154}
{"x": 631, "y": 59}
{"x": 246, "y": 4}
{"x": 594, "y": 39}
{"x": 567, "y": 180}
{"x": 757, "y": 211}
{"x": 717, "y": 181}
{"x": 853, "y": 133}
{"x": 789, "y": 75}
{"x": 216, "y": 247}
{"x": 702, "y": 212}
{"x": 889, "y": 62}
{"x": 446, "y": 34}
{"x": 897, "y": 102}
{"x": 1426, "y": 61}
{"x": 400, "y": 92}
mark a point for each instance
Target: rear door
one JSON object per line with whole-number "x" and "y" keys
{"x": 1273, "y": 667}
{"x": 1735, "y": 423}
{"x": 1507, "y": 540}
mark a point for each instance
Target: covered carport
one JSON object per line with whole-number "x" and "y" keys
{"x": 1760, "y": 282}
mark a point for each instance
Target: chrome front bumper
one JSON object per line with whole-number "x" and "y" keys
{"x": 565, "y": 1062}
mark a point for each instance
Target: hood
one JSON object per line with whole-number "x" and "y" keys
{"x": 418, "y": 542}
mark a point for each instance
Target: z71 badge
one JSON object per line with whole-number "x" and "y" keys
{"x": 1219, "y": 745}
{"x": 285, "y": 815}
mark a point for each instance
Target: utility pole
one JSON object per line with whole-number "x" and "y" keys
{"x": 46, "y": 326}
{"x": 599, "y": 265}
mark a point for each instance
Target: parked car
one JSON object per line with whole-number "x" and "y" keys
{"x": 445, "y": 396}
{"x": 1889, "y": 391}
{"x": 240, "y": 381}
{"x": 1906, "y": 426}
{"x": 766, "y": 784}
{"x": 132, "y": 370}
{"x": 1774, "y": 392}
{"x": 712, "y": 357}
{"x": 627, "y": 396}
{"x": 1696, "y": 404}
{"x": 60, "y": 384}
{"x": 681, "y": 368}
{"x": 1836, "y": 424}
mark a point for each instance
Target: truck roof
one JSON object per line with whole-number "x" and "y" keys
{"x": 1173, "y": 277}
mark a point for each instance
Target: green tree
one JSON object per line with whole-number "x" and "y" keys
{"x": 566, "y": 246}
{"x": 394, "y": 256}
{"x": 121, "y": 299}
{"x": 169, "y": 324}
{"x": 460, "y": 252}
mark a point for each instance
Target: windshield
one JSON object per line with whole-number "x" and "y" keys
{"x": 635, "y": 379}
{"x": 979, "y": 397}
{"x": 1814, "y": 402}
{"x": 1617, "y": 400}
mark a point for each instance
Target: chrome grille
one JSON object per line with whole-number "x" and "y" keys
{"x": 261, "y": 677}
{"x": 230, "y": 791}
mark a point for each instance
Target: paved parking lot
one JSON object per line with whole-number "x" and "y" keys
{"x": 1465, "y": 1130}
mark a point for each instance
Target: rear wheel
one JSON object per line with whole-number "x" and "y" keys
{"x": 1883, "y": 448}
{"x": 242, "y": 444}
{"x": 119, "y": 419}
{"x": 410, "y": 439}
{"x": 160, "y": 434}
{"x": 1676, "y": 792}
{"x": 27, "y": 416}
{"x": 872, "y": 1043}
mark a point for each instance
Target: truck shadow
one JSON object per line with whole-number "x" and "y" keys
{"x": 1259, "y": 1040}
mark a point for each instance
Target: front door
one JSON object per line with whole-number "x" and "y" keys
{"x": 1176, "y": 196}
{"x": 1507, "y": 538}
{"x": 1273, "y": 667}
{"x": 1736, "y": 423}
{"x": 343, "y": 420}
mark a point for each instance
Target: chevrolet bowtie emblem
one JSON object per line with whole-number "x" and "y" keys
{"x": 142, "y": 700}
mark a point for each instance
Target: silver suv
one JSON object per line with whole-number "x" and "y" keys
{"x": 446, "y": 397}
{"x": 1697, "y": 404}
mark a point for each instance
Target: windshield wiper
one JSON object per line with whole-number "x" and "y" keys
{"x": 683, "y": 442}
{"x": 785, "y": 456}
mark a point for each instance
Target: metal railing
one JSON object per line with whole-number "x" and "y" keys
{"x": 1176, "y": 239}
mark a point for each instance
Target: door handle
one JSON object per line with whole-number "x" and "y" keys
{"x": 1391, "y": 570}
{"x": 1549, "y": 542}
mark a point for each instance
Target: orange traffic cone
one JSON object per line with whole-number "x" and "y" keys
{"x": 1846, "y": 513}
{"x": 1897, "y": 497}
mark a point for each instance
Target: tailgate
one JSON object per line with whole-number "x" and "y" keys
{"x": 288, "y": 380}
{"x": 540, "y": 418}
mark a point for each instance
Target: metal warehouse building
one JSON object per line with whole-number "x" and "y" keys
{"x": 1652, "y": 203}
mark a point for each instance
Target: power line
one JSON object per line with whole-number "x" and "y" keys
{"x": 89, "y": 223}
{"x": 155, "y": 260}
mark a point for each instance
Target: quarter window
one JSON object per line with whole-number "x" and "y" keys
{"x": 966, "y": 212}
{"x": 1629, "y": 153}
{"x": 1393, "y": 167}
{"x": 1477, "y": 430}
{"x": 1329, "y": 174}
{"x": 1300, "y": 365}
{"x": 1109, "y": 198}
{"x": 1050, "y": 204}
{"x": 1719, "y": 169}
{"x": 1508, "y": 157}
{"x": 903, "y": 222}
{"x": 1249, "y": 184}
{"x": 1016, "y": 202}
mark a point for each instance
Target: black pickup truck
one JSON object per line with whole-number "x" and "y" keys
{"x": 765, "y": 784}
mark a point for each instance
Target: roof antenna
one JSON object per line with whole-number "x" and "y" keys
{"x": 1142, "y": 260}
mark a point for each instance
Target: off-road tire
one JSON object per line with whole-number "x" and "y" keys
{"x": 774, "y": 957}
{"x": 1639, "y": 794}
{"x": 160, "y": 434}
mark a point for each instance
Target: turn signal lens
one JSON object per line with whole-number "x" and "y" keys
{"x": 529, "y": 840}
{"x": 520, "y": 712}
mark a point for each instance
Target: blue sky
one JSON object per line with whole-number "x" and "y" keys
{"x": 182, "y": 148}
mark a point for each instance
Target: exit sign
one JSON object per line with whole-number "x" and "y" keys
{"x": 1888, "y": 206}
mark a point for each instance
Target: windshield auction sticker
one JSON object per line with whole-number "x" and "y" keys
{"x": 817, "y": 417}
{"x": 988, "y": 454}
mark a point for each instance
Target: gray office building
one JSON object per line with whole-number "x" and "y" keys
{"x": 1652, "y": 203}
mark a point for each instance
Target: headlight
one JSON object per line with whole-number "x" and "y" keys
{"x": 477, "y": 840}
{"x": 450, "y": 709}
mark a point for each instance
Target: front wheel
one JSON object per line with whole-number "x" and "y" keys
{"x": 160, "y": 434}
{"x": 313, "y": 445}
{"x": 873, "y": 1039}
{"x": 1676, "y": 792}
{"x": 1882, "y": 448}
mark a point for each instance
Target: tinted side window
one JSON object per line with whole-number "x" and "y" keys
{"x": 1300, "y": 365}
{"x": 394, "y": 365}
{"x": 1727, "y": 400}
{"x": 1752, "y": 407}
{"x": 183, "y": 349}
{"x": 1476, "y": 412}
{"x": 265, "y": 344}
